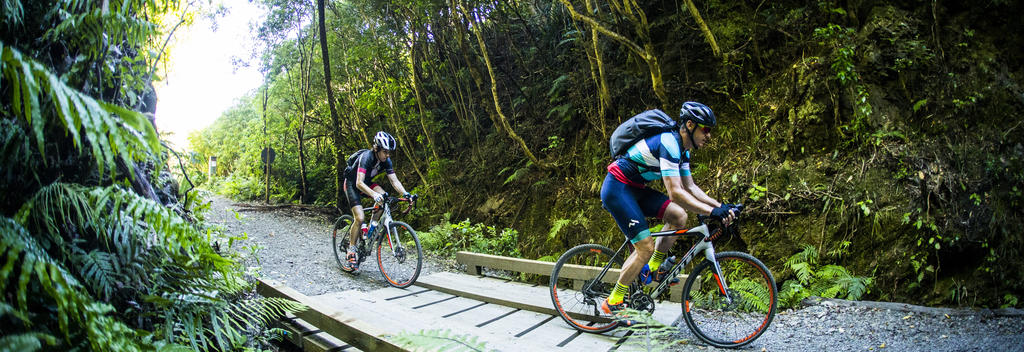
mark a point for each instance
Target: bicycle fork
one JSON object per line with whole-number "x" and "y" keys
{"x": 723, "y": 286}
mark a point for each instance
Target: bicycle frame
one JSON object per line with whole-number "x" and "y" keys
{"x": 704, "y": 244}
{"x": 384, "y": 221}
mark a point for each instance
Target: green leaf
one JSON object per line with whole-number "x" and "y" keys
{"x": 919, "y": 104}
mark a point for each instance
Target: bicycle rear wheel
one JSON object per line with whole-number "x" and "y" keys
{"x": 719, "y": 321}
{"x": 400, "y": 257}
{"x": 339, "y": 241}
{"x": 578, "y": 288}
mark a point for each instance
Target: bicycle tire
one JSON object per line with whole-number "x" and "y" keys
{"x": 582, "y": 309}
{"x": 340, "y": 244}
{"x": 393, "y": 262}
{"x": 730, "y": 324}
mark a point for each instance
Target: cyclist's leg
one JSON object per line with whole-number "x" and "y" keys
{"x": 674, "y": 217}
{"x": 352, "y": 196}
{"x": 620, "y": 201}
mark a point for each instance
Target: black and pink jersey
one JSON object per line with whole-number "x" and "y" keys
{"x": 368, "y": 164}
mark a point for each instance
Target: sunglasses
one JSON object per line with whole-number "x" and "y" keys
{"x": 705, "y": 129}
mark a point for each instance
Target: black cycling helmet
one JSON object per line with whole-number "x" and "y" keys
{"x": 698, "y": 113}
{"x": 385, "y": 141}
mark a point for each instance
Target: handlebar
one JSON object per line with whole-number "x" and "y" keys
{"x": 736, "y": 209}
{"x": 390, "y": 200}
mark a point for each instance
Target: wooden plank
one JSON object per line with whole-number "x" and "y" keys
{"x": 322, "y": 342}
{"x": 296, "y": 329}
{"x": 395, "y": 319}
{"x": 354, "y": 331}
{"x": 534, "y": 299}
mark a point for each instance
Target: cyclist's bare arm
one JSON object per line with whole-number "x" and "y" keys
{"x": 362, "y": 186}
{"x": 682, "y": 196}
{"x": 396, "y": 184}
{"x": 698, "y": 193}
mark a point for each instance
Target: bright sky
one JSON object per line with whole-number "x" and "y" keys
{"x": 201, "y": 82}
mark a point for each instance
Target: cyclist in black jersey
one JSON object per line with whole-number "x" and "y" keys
{"x": 624, "y": 194}
{"x": 368, "y": 164}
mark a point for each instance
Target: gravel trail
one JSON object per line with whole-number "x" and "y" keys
{"x": 296, "y": 250}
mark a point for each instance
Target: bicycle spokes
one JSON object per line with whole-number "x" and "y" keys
{"x": 731, "y": 307}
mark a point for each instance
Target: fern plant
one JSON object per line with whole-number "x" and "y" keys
{"x": 649, "y": 334}
{"x": 829, "y": 281}
{"x": 128, "y": 138}
{"x": 163, "y": 264}
{"x": 440, "y": 340}
{"x": 86, "y": 264}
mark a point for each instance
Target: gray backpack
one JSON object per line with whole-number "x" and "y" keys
{"x": 643, "y": 125}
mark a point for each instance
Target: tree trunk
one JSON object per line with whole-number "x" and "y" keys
{"x": 339, "y": 158}
{"x": 266, "y": 162}
{"x": 710, "y": 37}
{"x": 500, "y": 116}
{"x": 305, "y": 66}
{"x": 646, "y": 52}
{"x": 597, "y": 74}
{"x": 416, "y": 86}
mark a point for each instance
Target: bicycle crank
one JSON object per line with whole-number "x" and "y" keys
{"x": 641, "y": 301}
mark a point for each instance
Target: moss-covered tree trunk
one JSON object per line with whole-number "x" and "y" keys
{"x": 339, "y": 157}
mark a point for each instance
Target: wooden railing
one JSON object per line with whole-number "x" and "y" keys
{"x": 475, "y": 262}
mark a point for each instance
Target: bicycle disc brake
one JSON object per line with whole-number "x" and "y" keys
{"x": 400, "y": 254}
{"x": 641, "y": 301}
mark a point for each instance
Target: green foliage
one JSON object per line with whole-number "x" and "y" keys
{"x": 841, "y": 40}
{"x": 239, "y": 186}
{"x": 649, "y": 334}
{"x": 166, "y": 265}
{"x": 829, "y": 281}
{"x": 29, "y": 264}
{"x": 87, "y": 264}
{"x": 1010, "y": 301}
{"x": 447, "y": 238}
{"x": 129, "y": 138}
{"x": 439, "y": 340}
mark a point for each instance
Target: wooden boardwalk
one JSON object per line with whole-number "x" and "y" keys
{"x": 506, "y": 315}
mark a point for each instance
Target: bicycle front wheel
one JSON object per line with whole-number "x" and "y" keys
{"x": 743, "y": 316}
{"x": 399, "y": 256}
{"x": 339, "y": 240}
{"x": 579, "y": 286}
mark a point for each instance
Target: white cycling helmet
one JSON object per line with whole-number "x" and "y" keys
{"x": 385, "y": 141}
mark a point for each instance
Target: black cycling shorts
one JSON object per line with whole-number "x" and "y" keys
{"x": 352, "y": 193}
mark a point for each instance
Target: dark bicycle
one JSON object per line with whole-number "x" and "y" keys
{"x": 729, "y": 299}
{"x": 399, "y": 254}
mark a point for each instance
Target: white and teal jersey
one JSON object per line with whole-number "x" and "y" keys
{"x": 651, "y": 159}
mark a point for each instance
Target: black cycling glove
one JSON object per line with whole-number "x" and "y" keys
{"x": 721, "y": 212}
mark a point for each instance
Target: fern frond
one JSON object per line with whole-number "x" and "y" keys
{"x": 59, "y": 288}
{"x": 26, "y": 342}
{"x": 12, "y": 12}
{"x": 131, "y": 136}
{"x": 832, "y": 273}
{"x": 557, "y": 226}
{"x": 755, "y": 296}
{"x": 99, "y": 270}
{"x": 855, "y": 286}
{"x": 439, "y": 340}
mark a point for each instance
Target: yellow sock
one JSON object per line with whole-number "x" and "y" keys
{"x": 656, "y": 260}
{"x": 618, "y": 294}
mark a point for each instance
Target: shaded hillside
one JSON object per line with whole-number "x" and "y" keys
{"x": 885, "y": 135}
